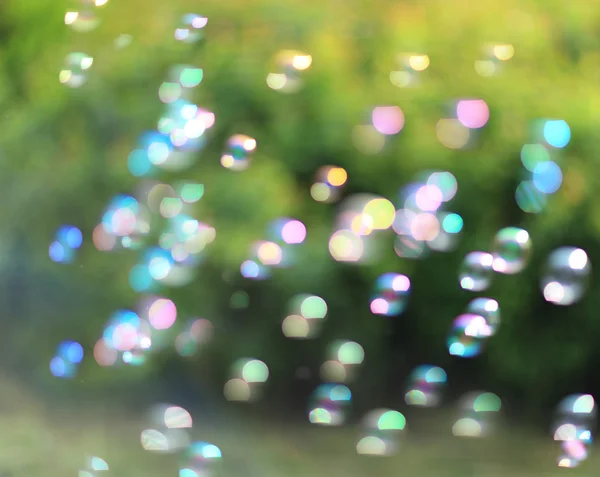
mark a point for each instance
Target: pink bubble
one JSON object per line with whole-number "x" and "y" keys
{"x": 162, "y": 314}
{"x": 388, "y": 120}
{"x": 429, "y": 198}
{"x": 293, "y": 232}
{"x": 124, "y": 337}
{"x": 379, "y": 306}
{"x": 401, "y": 283}
{"x": 473, "y": 113}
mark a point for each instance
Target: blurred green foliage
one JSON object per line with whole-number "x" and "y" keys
{"x": 64, "y": 154}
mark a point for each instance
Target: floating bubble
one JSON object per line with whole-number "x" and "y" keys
{"x": 488, "y": 309}
{"x": 248, "y": 377}
{"x": 68, "y": 239}
{"x": 93, "y": 466}
{"x": 191, "y": 28}
{"x": 344, "y": 358}
{"x": 547, "y": 177}
{"x": 529, "y": 198}
{"x": 566, "y": 276}
{"x": 65, "y": 363}
{"x": 367, "y": 139}
{"x": 238, "y": 152}
{"x": 388, "y": 120}
{"x": 390, "y": 294}
{"x": 200, "y": 459}
{"x": 82, "y": 19}
{"x": 476, "y": 271}
{"x": 534, "y": 154}
{"x": 557, "y": 133}
{"x": 574, "y": 426}
{"x": 468, "y": 335}
{"x": 329, "y": 405}
{"x": 478, "y": 414}
{"x": 346, "y": 246}
{"x": 410, "y": 67}
{"x": 288, "y": 69}
{"x": 425, "y": 386}
{"x": 305, "y": 316}
{"x": 452, "y": 133}
{"x": 74, "y": 72}
{"x": 382, "y": 430}
{"x": 328, "y": 184}
{"x": 196, "y": 333}
{"x": 473, "y": 113}
{"x": 512, "y": 247}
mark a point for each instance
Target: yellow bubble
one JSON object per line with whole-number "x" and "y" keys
{"x": 276, "y": 80}
{"x": 504, "y": 52}
{"x": 320, "y": 192}
{"x": 418, "y": 62}
{"x": 362, "y": 224}
{"x": 382, "y": 213}
{"x": 269, "y": 253}
{"x": 346, "y": 246}
{"x": 337, "y": 176}
{"x": 302, "y": 62}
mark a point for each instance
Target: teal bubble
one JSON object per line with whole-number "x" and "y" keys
{"x": 452, "y": 223}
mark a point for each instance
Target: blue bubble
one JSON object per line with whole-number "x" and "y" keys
{"x": 557, "y": 133}
{"x": 250, "y": 269}
{"x": 56, "y": 252}
{"x": 452, "y": 223}
{"x": 140, "y": 279}
{"x": 547, "y": 177}
{"x": 138, "y": 163}
{"x": 61, "y": 368}
{"x": 70, "y": 351}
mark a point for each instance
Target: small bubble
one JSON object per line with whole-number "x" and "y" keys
{"x": 329, "y": 405}
{"x": 390, "y": 294}
{"x": 288, "y": 70}
{"x": 476, "y": 271}
{"x": 488, "y": 309}
{"x": 74, "y": 72}
{"x": 381, "y": 434}
{"x": 238, "y": 152}
{"x": 467, "y": 335}
{"x": 191, "y": 28}
{"x": 425, "y": 386}
{"x": 566, "y": 276}
{"x": 512, "y": 247}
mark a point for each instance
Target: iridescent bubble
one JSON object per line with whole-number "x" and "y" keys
{"x": 66, "y": 360}
{"x": 388, "y": 120}
{"x": 162, "y": 313}
{"x": 127, "y": 335}
{"x": 367, "y": 139}
{"x": 191, "y": 28}
{"x": 74, "y": 72}
{"x": 390, "y": 294}
{"x": 574, "y": 426}
{"x": 186, "y": 76}
{"x": 476, "y": 271}
{"x": 512, "y": 247}
{"x": 488, "y": 309}
{"x": 547, "y": 177}
{"x": 566, "y": 276}
{"x": 411, "y": 65}
{"x": 248, "y": 377}
{"x": 425, "y": 385}
{"x": 328, "y": 184}
{"x": 287, "y": 231}
{"x": 196, "y": 333}
{"x": 238, "y": 152}
{"x": 344, "y": 358}
{"x": 200, "y": 459}
{"x": 305, "y": 316}
{"x": 82, "y": 19}
{"x": 93, "y": 466}
{"x": 473, "y": 113}
{"x": 329, "y": 405}
{"x": 254, "y": 270}
{"x": 529, "y": 198}
{"x": 534, "y": 154}
{"x": 478, "y": 414}
{"x": 68, "y": 239}
{"x": 452, "y": 133}
{"x": 382, "y": 431}
{"x": 287, "y": 72}
{"x": 467, "y": 335}
{"x": 557, "y": 133}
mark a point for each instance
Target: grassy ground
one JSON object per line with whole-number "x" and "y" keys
{"x": 53, "y": 441}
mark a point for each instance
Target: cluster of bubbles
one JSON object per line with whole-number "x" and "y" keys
{"x": 565, "y": 276}
{"x": 287, "y": 72}
{"x": 478, "y": 415}
{"x": 329, "y": 183}
{"x": 344, "y": 357}
{"x": 574, "y": 426}
{"x": 542, "y": 175}
{"x": 422, "y": 222}
{"x": 249, "y": 376}
{"x": 467, "y": 116}
{"x": 93, "y": 466}
{"x": 390, "y": 294}
{"x": 470, "y": 330}
{"x": 510, "y": 254}
{"x": 305, "y": 317}
{"x": 278, "y": 251}
{"x": 493, "y": 58}
{"x": 425, "y": 386}
{"x": 329, "y": 404}
{"x": 67, "y": 241}
{"x": 383, "y": 122}
{"x": 409, "y": 68}
{"x": 381, "y": 433}
{"x": 169, "y": 429}
{"x": 66, "y": 360}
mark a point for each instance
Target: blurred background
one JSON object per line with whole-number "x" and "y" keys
{"x": 326, "y": 231}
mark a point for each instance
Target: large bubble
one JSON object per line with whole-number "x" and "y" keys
{"x": 566, "y": 276}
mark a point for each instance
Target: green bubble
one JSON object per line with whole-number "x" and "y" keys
{"x": 391, "y": 420}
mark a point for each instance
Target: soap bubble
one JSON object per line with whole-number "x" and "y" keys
{"x": 476, "y": 271}
{"x": 410, "y": 67}
{"x": 67, "y": 240}
{"x": 344, "y": 358}
{"x": 66, "y": 360}
{"x": 478, "y": 414}
{"x": 574, "y": 426}
{"x": 288, "y": 69}
{"x": 425, "y": 385}
{"x": 566, "y": 276}
{"x": 390, "y": 294}
{"x": 191, "y": 28}
{"x": 74, "y": 72}
{"x": 238, "y": 152}
{"x": 488, "y": 309}
{"x": 467, "y": 335}
{"x": 329, "y": 405}
{"x": 382, "y": 430}
{"x": 328, "y": 184}
{"x": 94, "y": 466}
{"x": 200, "y": 459}
{"x": 248, "y": 376}
{"x": 305, "y": 316}
{"x": 512, "y": 247}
